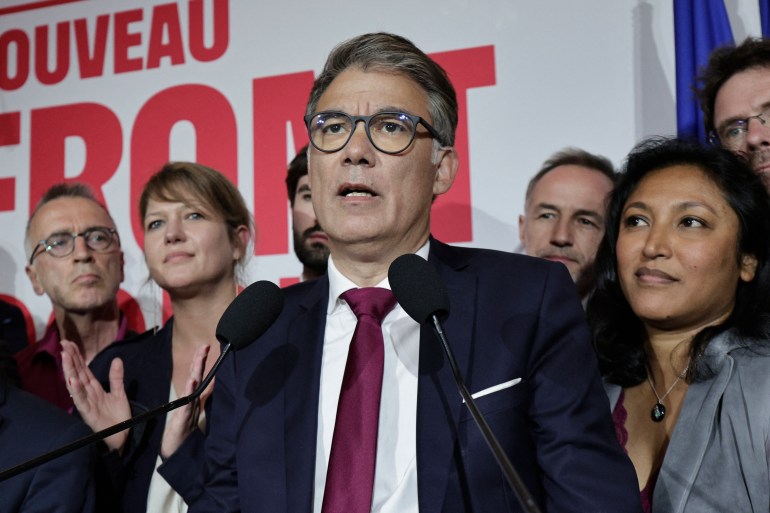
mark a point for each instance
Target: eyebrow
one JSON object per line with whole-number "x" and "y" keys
{"x": 548, "y": 206}
{"x": 386, "y": 108}
{"x": 57, "y": 233}
{"x": 392, "y": 108}
{"x": 578, "y": 212}
{"x": 69, "y": 232}
{"x": 185, "y": 205}
{"x": 589, "y": 213}
{"x": 303, "y": 188}
{"x": 696, "y": 204}
{"x": 679, "y": 207}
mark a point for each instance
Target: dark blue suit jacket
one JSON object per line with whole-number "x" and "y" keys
{"x": 511, "y": 317}
{"x": 29, "y": 427}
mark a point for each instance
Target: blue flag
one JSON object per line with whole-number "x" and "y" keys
{"x": 764, "y": 16}
{"x": 700, "y": 26}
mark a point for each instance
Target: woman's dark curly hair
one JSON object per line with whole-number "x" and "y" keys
{"x": 619, "y": 335}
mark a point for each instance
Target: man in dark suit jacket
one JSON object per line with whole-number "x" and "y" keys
{"x": 30, "y": 427}
{"x": 516, "y": 325}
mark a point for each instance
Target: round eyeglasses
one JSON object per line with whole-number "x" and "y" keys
{"x": 97, "y": 239}
{"x": 732, "y": 135}
{"x": 389, "y": 132}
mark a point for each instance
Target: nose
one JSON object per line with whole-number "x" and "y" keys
{"x": 561, "y": 234}
{"x": 758, "y": 133}
{"x": 80, "y": 251}
{"x": 658, "y": 244}
{"x": 174, "y": 232}
{"x": 359, "y": 150}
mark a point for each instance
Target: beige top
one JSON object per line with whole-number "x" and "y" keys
{"x": 161, "y": 498}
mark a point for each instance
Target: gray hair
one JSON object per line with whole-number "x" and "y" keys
{"x": 63, "y": 190}
{"x": 573, "y": 157}
{"x": 394, "y": 54}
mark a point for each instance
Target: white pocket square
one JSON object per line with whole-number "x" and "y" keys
{"x": 496, "y": 388}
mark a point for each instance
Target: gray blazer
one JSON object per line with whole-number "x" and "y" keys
{"x": 718, "y": 457}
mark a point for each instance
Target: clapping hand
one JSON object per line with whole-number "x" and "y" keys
{"x": 99, "y": 409}
{"x": 184, "y": 420}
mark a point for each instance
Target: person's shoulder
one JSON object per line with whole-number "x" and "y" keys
{"x": 142, "y": 346}
{"x": 750, "y": 358}
{"x": 35, "y": 413}
{"x": 299, "y": 293}
{"x": 489, "y": 260}
{"x": 25, "y": 356}
{"x": 755, "y": 354}
{"x": 749, "y": 376}
{"x": 31, "y": 426}
{"x": 738, "y": 347}
{"x": 49, "y": 344}
{"x": 303, "y": 287}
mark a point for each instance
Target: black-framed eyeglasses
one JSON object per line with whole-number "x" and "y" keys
{"x": 97, "y": 239}
{"x": 389, "y": 132}
{"x": 733, "y": 135}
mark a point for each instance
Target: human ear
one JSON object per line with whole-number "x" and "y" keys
{"x": 748, "y": 267}
{"x": 446, "y": 170}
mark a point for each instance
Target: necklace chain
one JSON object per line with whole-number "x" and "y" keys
{"x": 658, "y": 412}
{"x": 660, "y": 399}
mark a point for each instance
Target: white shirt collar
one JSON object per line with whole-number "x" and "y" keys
{"x": 339, "y": 283}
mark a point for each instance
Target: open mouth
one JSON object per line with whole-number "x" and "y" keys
{"x": 356, "y": 191}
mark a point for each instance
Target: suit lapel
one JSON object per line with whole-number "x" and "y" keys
{"x": 438, "y": 400}
{"x": 303, "y": 367}
{"x": 693, "y": 430}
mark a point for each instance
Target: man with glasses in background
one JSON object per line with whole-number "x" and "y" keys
{"x": 346, "y": 404}
{"x": 734, "y": 93}
{"x": 75, "y": 259}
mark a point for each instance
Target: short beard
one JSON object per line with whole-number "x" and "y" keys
{"x": 315, "y": 257}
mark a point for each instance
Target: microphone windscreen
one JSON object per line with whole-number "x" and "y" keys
{"x": 418, "y": 288}
{"x": 250, "y": 314}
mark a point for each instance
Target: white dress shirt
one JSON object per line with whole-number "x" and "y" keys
{"x": 395, "y": 475}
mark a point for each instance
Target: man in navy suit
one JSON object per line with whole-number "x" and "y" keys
{"x": 30, "y": 427}
{"x": 381, "y": 120}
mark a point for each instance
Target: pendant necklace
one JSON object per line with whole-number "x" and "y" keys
{"x": 658, "y": 412}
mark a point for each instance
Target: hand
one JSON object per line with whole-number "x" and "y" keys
{"x": 99, "y": 409}
{"x": 184, "y": 420}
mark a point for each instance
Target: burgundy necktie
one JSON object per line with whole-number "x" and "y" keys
{"x": 350, "y": 476}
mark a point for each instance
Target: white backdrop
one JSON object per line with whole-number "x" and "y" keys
{"x": 178, "y": 80}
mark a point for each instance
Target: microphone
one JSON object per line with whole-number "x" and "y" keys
{"x": 247, "y": 317}
{"x": 421, "y": 293}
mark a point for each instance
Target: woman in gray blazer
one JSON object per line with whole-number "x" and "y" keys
{"x": 681, "y": 322}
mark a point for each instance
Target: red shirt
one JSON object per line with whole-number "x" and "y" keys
{"x": 41, "y": 370}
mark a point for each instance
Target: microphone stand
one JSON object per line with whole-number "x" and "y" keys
{"x": 104, "y": 433}
{"x": 522, "y": 494}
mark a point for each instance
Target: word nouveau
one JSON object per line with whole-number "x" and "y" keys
{"x": 137, "y": 44}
